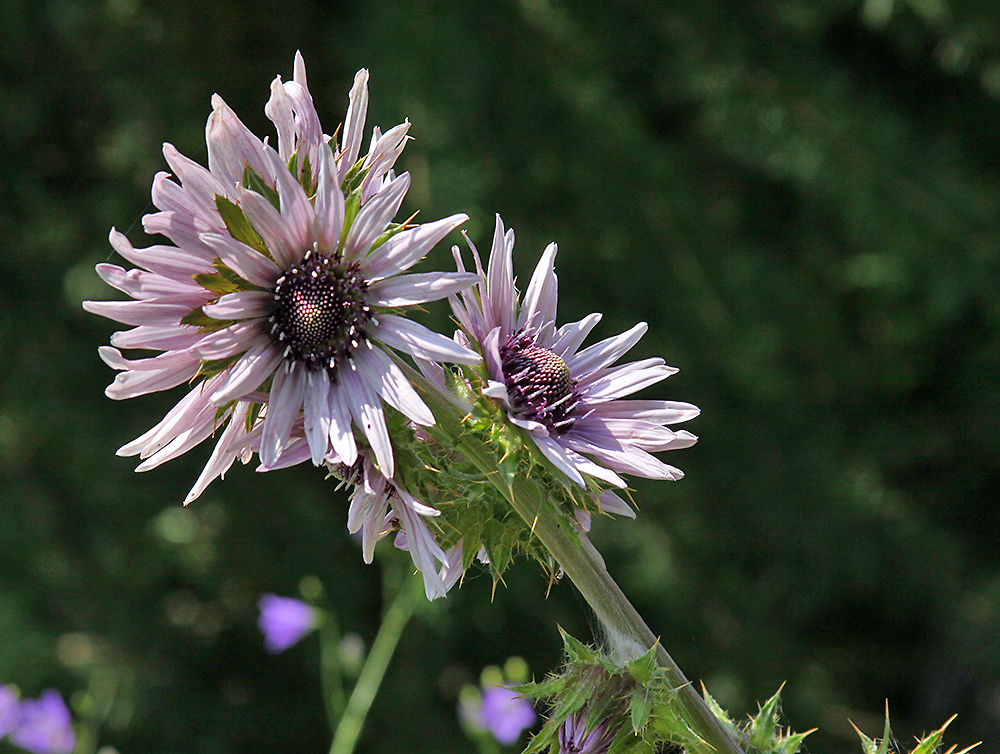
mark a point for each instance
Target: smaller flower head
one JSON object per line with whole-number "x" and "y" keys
{"x": 284, "y": 621}
{"x": 565, "y": 398}
{"x": 45, "y": 725}
{"x": 576, "y": 738}
{"x": 10, "y": 710}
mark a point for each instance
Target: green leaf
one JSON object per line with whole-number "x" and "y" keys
{"x": 198, "y": 318}
{"x": 239, "y": 226}
{"x": 252, "y": 181}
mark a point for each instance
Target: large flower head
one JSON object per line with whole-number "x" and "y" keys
{"x": 567, "y": 399}
{"x": 281, "y": 296}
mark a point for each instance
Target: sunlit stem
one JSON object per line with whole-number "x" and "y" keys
{"x": 360, "y": 701}
{"x": 585, "y": 568}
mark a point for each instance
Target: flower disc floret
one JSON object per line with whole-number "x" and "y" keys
{"x": 320, "y": 311}
{"x": 539, "y": 384}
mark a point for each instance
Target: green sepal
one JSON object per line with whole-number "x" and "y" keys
{"x": 352, "y": 205}
{"x": 239, "y": 226}
{"x": 252, "y": 181}
{"x": 306, "y": 176}
{"x": 641, "y": 707}
{"x": 211, "y": 368}
{"x": 198, "y": 318}
{"x": 224, "y": 280}
{"x": 762, "y": 727}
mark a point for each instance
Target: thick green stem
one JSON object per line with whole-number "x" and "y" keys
{"x": 585, "y": 567}
{"x": 396, "y": 618}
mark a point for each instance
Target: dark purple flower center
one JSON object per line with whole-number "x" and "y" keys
{"x": 539, "y": 383}
{"x": 320, "y": 310}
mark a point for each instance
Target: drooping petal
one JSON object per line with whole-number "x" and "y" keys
{"x": 366, "y": 409}
{"x": 287, "y": 394}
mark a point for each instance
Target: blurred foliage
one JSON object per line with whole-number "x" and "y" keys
{"x": 799, "y": 196}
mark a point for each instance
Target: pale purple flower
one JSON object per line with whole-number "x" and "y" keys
{"x": 280, "y": 298}
{"x": 45, "y": 725}
{"x": 506, "y": 713}
{"x": 567, "y": 400}
{"x": 10, "y": 710}
{"x": 501, "y": 711}
{"x": 284, "y": 621}
{"x": 575, "y": 738}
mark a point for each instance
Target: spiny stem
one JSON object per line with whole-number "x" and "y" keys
{"x": 583, "y": 564}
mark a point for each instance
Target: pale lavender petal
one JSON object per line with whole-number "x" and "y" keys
{"x": 341, "y": 435}
{"x": 661, "y": 412}
{"x": 500, "y": 306}
{"x": 160, "y": 313}
{"x": 329, "y": 203}
{"x": 418, "y": 341}
{"x": 142, "y": 285}
{"x": 160, "y": 337}
{"x": 278, "y": 236}
{"x": 606, "y": 352}
{"x": 279, "y": 110}
{"x": 625, "y": 381}
{"x": 232, "y": 147}
{"x": 624, "y": 458}
{"x": 168, "y": 261}
{"x": 643, "y": 434}
{"x": 200, "y": 185}
{"x": 296, "y": 210}
{"x": 316, "y": 408}
{"x": 226, "y": 451}
{"x": 609, "y": 502}
{"x": 569, "y": 337}
{"x": 390, "y": 382}
{"x": 248, "y": 373}
{"x": 246, "y": 262}
{"x": 405, "y": 290}
{"x": 366, "y": 408}
{"x": 374, "y": 218}
{"x": 543, "y": 291}
{"x": 227, "y": 342}
{"x": 186, "y": 411}
{"x": 191, "y": 435}
{"x": 241, "y": 305}
{"x": 423, "y": 549}
{"x": 408, "y": 247}
{"x": 559, "y": 457}
{"x": 287, "y": 394}
{"x": 384, "y": 152}
{"x": 354, "y": 124}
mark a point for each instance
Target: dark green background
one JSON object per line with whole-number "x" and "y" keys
{"x": 799, "y": 197}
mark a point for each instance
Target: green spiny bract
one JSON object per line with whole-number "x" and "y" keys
{"x": 444, "y": 465}
{"x": 927, "y": 745}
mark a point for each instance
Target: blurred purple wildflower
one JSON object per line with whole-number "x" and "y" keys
{"x": 502, "y": 711}
{"x": 10, "y": 710}
{"x": 45, "y": 725}
{"x": 284, "y": 621}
